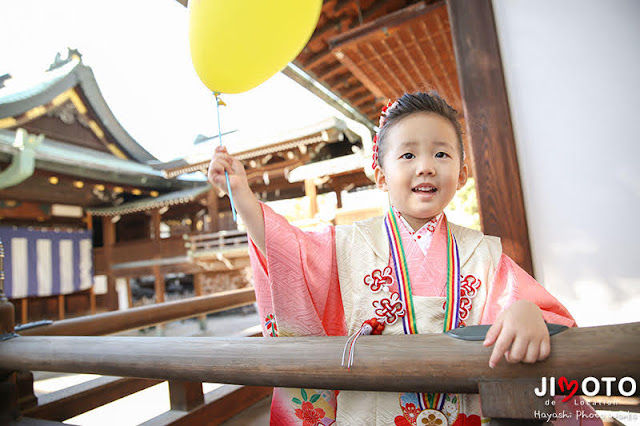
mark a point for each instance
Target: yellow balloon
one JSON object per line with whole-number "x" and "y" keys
{"x": 238, "y": 44}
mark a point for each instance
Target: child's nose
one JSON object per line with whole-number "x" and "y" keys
{"x": 426, "y": 167}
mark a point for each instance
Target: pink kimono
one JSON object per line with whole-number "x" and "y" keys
{"x": 300, "y": 293}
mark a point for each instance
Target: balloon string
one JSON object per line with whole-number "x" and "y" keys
{"x": 226, "y": 175}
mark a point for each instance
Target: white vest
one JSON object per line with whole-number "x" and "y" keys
{"x": 362, "y": 248}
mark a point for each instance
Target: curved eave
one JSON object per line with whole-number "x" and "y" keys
{"x": 63, "y": 80}
{"x": 72, "y": 160}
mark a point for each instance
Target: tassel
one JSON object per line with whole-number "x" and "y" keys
{"x": 370, "y": 326}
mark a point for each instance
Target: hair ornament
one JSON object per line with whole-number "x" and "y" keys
{"x": 383, "y": 118}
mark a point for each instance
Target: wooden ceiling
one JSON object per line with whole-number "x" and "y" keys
{"x": 370, "y": 51}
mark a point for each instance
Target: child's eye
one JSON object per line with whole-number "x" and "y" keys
{"x": 441, "y": 154}
{"x": 407, "y": 156}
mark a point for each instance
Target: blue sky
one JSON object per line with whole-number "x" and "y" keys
{"x": 139, "y": 53}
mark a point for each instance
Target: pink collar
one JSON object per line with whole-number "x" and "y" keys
{"x": 422, "y": 236}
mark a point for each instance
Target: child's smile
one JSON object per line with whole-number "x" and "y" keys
{"x": 421, "y": 167}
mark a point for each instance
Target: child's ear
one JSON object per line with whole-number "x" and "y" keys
{"x": 462, "y": 177}
{"x": 381, "y": 180}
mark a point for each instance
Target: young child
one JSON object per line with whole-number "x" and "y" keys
{"x": 330, "y": 283}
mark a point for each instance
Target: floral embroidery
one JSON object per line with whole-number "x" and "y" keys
{"x": 379, "y": 279}
{"x": 432, "y": 420}
{"x": 468, "y": 290}
{"x": 472, "y": 420}
{"x": 270, "y": 324}
{"x": 309, "y": 415}
{"x": 410, "y": 412}
{"x": 388, "y": 310}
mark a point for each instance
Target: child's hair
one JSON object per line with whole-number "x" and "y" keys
{"x": 411, "y": 103}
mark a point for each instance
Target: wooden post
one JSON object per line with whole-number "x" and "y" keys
{"x": 129, "y": 293}
{"x": 92, "y": 301}
{"x": 159, "y": 285}
{"x": 491, "y": 139}
{"x": 26, "y": 397}
{"x": 92, "y": 295}
{"x": 108, "y": 240}
{"x": 8, "y": 386}
{"x": 185, "y": 396}
{"x": 156, "y": 218}
{"x": 212, "y": 224}
{"x": 24, "y": 313}
{"x": 198, "y": 290}
{"x": 513, "y": 403}
{"x": 338, "y": 192}
{"x": 311, "y": 191}
{"x": 60, "y": 307}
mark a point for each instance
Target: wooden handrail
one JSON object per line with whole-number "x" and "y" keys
{"x": 415, "y": 363}
{"x": 114, "y": 322}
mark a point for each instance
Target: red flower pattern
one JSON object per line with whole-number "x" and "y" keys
{"x": 310, "y": 416}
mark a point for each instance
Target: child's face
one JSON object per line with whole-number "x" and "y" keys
{"x": 422, "y": 167}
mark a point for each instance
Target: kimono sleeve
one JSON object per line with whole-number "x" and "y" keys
{"x": 296, "y": 281}
{"x": 511, "y": 283}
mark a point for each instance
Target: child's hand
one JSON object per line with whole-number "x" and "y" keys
{"x": 222, "y": 162}
{"x": 520, "y": 334}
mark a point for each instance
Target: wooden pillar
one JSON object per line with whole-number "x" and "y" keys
{"x": 311, "y": 191}
{"x": 92, "y": 295}
{"x": 198, "y": 290}
{"x": 92, "y": 301}
{"x": 129, "y": 293}
{"x": 156, "y": 218}
{"x": 212, "y": 224}
{"x": 338, "y": 192}
{"x": 60, "y": 307}
{"x": 185, "y": 396}
{"x": 26, "y": 397}
{"x": 159, "y": 285}
{"x": 491, "y": 139}
{"x": 108, "y": 240}
{"x": 24, "y": 310}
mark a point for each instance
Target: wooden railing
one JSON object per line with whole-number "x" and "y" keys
{"x": 420, "y": 363}
{"x": 217, "y": 241}
{"x": 144, "y": 316}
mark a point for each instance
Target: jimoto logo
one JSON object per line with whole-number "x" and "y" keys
{"x": 590, "y": 386}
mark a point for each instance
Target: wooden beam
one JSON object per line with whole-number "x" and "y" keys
{"x": 75, "y": 400}
{"x": 224, "y": 403}
{"x": 486, "y": 111}
{"x": 386, "y": 23}
{"x": 144, "y": 316}
{"x": 421, "y": 363}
